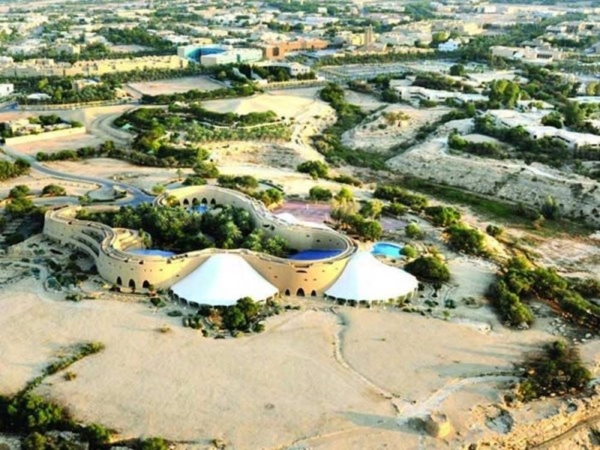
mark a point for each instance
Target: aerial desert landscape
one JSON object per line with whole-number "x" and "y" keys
{"x": 299, "y": 225}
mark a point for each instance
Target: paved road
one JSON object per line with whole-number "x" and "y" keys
{"x": 135, "y": 196}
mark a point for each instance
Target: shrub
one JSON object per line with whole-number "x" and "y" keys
{"x": 155, "y": 443}
{"x": 320, "y": 194}
{"x": 443, "y": 216}
{"x": 194, "y": 180}
{"x": 206, "y": 169}
{"x": 557, "y": 370}
{"x": 409, "y": 251}
{"x": 395, "y": 209}
{"x": 315, "y": 169}
{"x": 19, "y": 191}
{"x": 465, "y": 239}
{"x": 494, "y": 230}
{"x": 54, "y": 190}
{"x": 413, "y": 231}
{"x": 429, "y": 268}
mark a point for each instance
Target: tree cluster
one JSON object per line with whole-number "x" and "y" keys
{"x": 178, "y": 230}
{"x": 555, "y": 370}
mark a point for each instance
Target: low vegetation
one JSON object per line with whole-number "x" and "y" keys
{"x": 329, "y": 143}
{"x": 176, "y": 229}
{"x": 519, "y": 282}
{"x": 556, "y": 370}
{"x": 429, "y": 268}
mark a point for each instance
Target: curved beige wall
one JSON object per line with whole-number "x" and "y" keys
{"x": 108, "y": 247}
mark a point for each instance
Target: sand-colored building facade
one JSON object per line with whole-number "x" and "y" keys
{"x": 110, "y": 247}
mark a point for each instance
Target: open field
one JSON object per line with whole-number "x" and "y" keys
{"x": 391, "y": 126}
{"x": 319, "y": 377}
{"x": 175, "y": 85}
{"x": 57, "y": 144}
{"x": 283, "y": 103}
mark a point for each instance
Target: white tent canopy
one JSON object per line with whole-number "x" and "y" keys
{"x": 365, "y": 278}
{"x": 222, "y": 280}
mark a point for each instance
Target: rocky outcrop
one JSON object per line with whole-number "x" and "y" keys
{"x": 578, "y": 197}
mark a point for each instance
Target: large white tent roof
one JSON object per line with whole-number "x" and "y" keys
{"x": 367, "y": 278}
{"x": 222, "y": 280}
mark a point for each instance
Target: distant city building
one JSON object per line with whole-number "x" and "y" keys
{"x": 6, "y": 89}
{"x": 541, "y": 55}
{"x": 369, "y": 36}
{"x": 451, "y": 45}
{"x": 232, "y": 56}
{"x": 278, "y": 50}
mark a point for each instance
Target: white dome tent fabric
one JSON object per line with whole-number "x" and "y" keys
{"x": 365, "y": 278}
{"x": 222, "y": 280}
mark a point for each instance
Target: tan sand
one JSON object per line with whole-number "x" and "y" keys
{"x": 56, "y": 144}
{"x": 175, "y": 85}
{"x": 307, "y": 380}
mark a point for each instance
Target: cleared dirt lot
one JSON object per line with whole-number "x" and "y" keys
{"x": 321, "y": 377}
{"x": 175, "y": 85}
{"x": 57, "y": 144}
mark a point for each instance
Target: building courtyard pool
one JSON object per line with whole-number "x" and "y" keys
{"x": 388, "y": 249}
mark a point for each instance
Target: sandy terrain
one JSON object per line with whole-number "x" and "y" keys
{"x": 37, "y": 181}
{"x": 57, "y": 144}
{"x": 140, "y": 177}
{"x": 314, "y": 378}
{"x": 175, "y": 85}
{"x": 377, "y": 133}
{"x": 283, "y": 103}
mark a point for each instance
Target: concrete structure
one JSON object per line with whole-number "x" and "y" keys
{"x": 232, "y": 56}
{"x": 418, "y": 93}
{"x": 369, "y": 36}
{"x": 278, "y": 50}
{"x": 48, "y": 67}
{"x": 540, "y": 55}
{"x": 110, "y": 247}
{"x": 293, "y": 68}
{"x": 6, "y": 89}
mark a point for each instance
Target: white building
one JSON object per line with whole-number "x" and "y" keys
{"x": 418, "y": 93}
{"x": 572, "y": 139}
{"x": 451, "y": 45}
{"x": 6, "y": 89}
{"x": 232, "y": 56}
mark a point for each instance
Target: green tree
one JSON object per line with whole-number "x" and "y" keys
{"x": 550, "y": 209}
{"x": 19, "y": 191}
{"x": 413, "y": 231}
{"x": 458, "y": 70}
{"x": 466, "y": 239}
{"x": 371, "y": 209}
{"x": 315, "y": 169}
{"x": 429, "y": 268}
{"x": 320, "y": 194}
{"x": 54, "y": 190}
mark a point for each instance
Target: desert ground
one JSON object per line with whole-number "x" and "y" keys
{"x": 56, "y": 144}
{"x": 175, "y": 85}
{"x": 377, "y": 133}
{"x": 322, "y": 377}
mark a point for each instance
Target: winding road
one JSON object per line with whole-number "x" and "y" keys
{"x": 100, "y": 126}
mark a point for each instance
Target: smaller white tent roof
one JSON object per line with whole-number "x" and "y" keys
{"x": 222, "y": 280}
{"x": 367, "y": 278}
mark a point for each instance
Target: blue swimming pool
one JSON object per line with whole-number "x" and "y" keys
{"x": 199, "y": 209}
{"x": 310, "y": 255}
{"x": 388, "y": 249}
{"x": 151, "y": 252}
